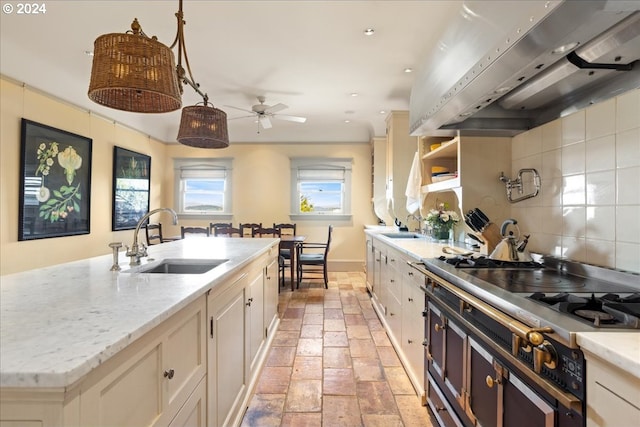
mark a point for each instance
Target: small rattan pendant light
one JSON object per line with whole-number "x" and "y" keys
{"x": 137, "y": 73}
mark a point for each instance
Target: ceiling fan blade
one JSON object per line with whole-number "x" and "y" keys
{"x": 265, "y": 122}
{"x": 290, "y": 118}
{"x": 241, "y": 117}
{"x": 275, "y": 108}
{"x": 241, "y": 109}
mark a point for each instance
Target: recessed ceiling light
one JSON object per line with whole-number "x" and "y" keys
{"x": 354, "y": 94}
{"x": 88, "y": 52}
{"x": 347, "y": 121}
{"x": 408, "y": 70}
{"x": 369, "y": 32}
{"x": 382, "y": 112}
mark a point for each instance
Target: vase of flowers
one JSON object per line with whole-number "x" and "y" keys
{"x": 441, "y": 221}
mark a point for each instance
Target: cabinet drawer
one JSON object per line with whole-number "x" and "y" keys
{"x": 185, "y": 356}
{"x": 440, "y": 407}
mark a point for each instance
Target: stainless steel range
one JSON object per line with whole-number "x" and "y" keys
{"x": 501, "y": 337}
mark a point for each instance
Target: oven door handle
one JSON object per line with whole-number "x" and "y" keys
{"x": 525, "y": 332}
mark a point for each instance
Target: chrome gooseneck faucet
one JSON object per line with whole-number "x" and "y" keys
{"x": 139, "y": 251}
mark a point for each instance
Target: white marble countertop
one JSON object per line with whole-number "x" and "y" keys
{"x": 419, "y": 247}
{"x": 621, "y": 349}
{"x": 58, "y": 323}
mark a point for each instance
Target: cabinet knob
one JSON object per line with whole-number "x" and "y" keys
{"x": 409, "y": 341}
{"x": 410, "y": 299}
{"x": 169, "y": 374}
{"x": 490, "y": 381}
{"x": 440, "y": 408}
{"x": 439, "y": 327}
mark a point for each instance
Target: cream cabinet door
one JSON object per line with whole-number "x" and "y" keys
{"x": 147, "y": 383}
{"x": 194, "y": 411}
{"x": 271, "y": 284}
{"x": 227, "y": 344}
{"x": 413, "y": 327}
{"x": 255, "y": 317}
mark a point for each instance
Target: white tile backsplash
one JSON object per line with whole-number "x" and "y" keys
{"x": 573, "y": 128}
{"x": 628, "y": 148}
{"x": 601, "y": 119}
{"x": 600, "y": 153}
{"x": 573, "y": 190}
{"x": 588, "y": 208}
{"x": 628, "y": 224}
{"x": 573, "y": 159}
{"x": 601, "y": 188}
{"x": 628, "y": 111}
{"x": 628, "y": 190}
{"x": 601, "y": 223}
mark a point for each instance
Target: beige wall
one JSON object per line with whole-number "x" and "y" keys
{"x": 260, "y": 183}
{"x": 261, "y": 192}
{"x": 589, "y": 205}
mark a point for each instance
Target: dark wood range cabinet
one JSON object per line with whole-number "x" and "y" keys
{"x": 470, "y": 384}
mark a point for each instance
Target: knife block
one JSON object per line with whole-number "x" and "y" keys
{"x": 492, "y": 236}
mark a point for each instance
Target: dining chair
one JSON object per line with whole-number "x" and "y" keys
{"x": 227, "y": 232}
{"x": 247, "y": 228}
{"x": 265, "y": 232}
{"x": 285, "y": 229}
{"x": 214, "y": 225}
{"x": 312, "y": 258}
{"x": 194, "y": 230}
{"x": 154, "y": 234}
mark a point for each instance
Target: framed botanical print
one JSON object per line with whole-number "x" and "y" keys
{"x": 55, "y": 182}
{"x": 131, "y": 184}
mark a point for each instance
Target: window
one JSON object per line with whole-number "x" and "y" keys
{"x": 203, "y": 187}
{"x": 321, "y": 187}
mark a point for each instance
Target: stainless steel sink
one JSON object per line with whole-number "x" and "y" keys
{"x": 181, "y": 266}
{"x": 401, "y": 235}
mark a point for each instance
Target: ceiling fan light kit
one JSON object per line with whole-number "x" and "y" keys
{"x": 136, "y": 73}
{"x": 263, "y": 113}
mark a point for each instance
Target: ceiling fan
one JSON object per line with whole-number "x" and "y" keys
{"x": 264, "y": 113}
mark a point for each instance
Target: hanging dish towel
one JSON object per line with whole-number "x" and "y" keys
{"x": 414, "y": 198}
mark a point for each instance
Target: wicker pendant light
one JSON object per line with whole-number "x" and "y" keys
{"x": 203, "y": 126}
{"x": 134, "y": 72}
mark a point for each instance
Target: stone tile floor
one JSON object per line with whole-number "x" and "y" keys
{"x": 332, "y": 364}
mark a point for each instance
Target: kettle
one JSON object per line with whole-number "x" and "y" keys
{"x": 511, "y": 248}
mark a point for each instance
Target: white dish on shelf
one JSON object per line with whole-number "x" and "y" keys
{"x": 443, "y": 177}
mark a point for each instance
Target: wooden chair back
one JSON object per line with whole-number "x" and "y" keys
{"x": 247, "y": 228}
{"x": 266, "y": 232}
{"x": 214, "y": 225}
{"x": 286, "y": 228}
{"x": 154, "y": 234}
{"x": 227, "y": 232}
{"x": 194, "y": 230}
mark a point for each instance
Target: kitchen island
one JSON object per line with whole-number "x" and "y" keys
{"x": 64, "y": 330}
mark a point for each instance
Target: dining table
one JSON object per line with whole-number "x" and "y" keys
{"x": 290, "y": 241}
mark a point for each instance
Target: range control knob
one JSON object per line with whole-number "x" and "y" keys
{"x": 544, "y": 354}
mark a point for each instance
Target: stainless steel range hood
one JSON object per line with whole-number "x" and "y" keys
{"x": 508, "y": 66}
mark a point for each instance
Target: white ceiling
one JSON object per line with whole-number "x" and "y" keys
{"x": 309, "y": 55}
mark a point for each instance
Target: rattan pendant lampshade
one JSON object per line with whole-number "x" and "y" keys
{"x": 132, "y": 72}
{"x": 203, "y": 126}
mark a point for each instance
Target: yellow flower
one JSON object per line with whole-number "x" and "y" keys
{"x": 70, "y": 161}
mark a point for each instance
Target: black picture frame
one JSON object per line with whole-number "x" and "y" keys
{"x": 131, "y": 187}
{"x": 55, "y": 182}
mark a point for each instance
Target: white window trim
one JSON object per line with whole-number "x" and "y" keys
{"x": 326, "y": 163}
{"x": 226, "y": 163}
